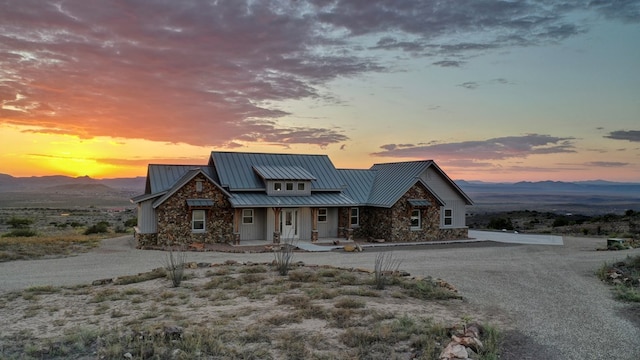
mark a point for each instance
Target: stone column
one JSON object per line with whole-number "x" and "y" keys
{"x": 314, "y": 224}
{"x": 276, "y": 225}
{"x": 237, "y": 215}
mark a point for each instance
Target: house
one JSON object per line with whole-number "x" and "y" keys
{"x": 241, "y": 196}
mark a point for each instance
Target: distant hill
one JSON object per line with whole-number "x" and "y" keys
{"x": 81, "y": 188}
{"x": 54, "y": 183}
{"x": 586, "y": 197}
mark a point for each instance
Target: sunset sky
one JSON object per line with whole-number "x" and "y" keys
{"x": 491, "y": 90}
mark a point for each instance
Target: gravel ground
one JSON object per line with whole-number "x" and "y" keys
{"x": 556, "y": 307}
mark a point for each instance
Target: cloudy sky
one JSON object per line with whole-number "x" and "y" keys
{"x": 490, "y": 90}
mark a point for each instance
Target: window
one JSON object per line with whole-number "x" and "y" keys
{"x": 448, "y": 217}
{"x": 301, "y": 186}
{"x": 197, "y": 220}
{"x": 199, "y": 186}
{"x": 322, "y": 215}
{"x": 277, "y": 186}
{"x": 415, "y": 219}
{"x": 289, "y": 186}
{"x": 355, "y": 216}
{"x": 247, "y": 216}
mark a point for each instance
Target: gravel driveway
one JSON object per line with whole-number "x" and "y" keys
{"x": 555, "y": 307}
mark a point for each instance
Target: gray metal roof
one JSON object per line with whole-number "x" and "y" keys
{"x": 188, "y": 176}
{"x": 321, "y": 199}
{"x": 164, "y": 177}
{"x": 419, "y": 202}
{"x": 393, "y": 180}
{"x": 269, "y": 172}
{"x": 199, "y": 202}
{"x": 359, "y": 183}
{"x": 235, "y": 169}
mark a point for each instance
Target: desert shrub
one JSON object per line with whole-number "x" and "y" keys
{"x": 283, "y": 257}
{"x": 385, "y": 266}
{"x": 99, "y": 228}
{"x": 500, "y": 223}
{"x": 19, "y": 223}
{"x": 561, "y": 221}
{"x": 20, "y": 233}
{"x": 175, "y": 263}
{"x": 131, "y": 222}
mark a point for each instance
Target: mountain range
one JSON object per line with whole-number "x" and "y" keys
{"x": 584, "y": 196}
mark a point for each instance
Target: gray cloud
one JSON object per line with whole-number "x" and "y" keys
{"x": 490, "y": 149}
{"x": 209, "y": 73}
{"x": 629, "y": 135}
{"x": 610, "y": 164}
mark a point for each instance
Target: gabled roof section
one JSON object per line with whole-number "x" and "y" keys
{"x": 235, "y": 170}
{"x": 163, "y": 177}
{"x": 188, "y": 176}
{"x": 269, "y": 172}
{"x": 394, "y": 179}
{"x": 359, "y": 183}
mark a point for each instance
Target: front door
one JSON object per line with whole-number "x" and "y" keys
{"x": 289, "y": 224}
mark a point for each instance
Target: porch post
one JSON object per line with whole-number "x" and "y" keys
{"x": 236, "y": 225}
{"x": 276, "y": 225}
{"x": 314, "y": 224}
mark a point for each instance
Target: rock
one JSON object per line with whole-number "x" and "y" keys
{"x": 128, "y": 355}
{"x": 349, "y": 248}
{"x": 358, "y": 248}
{"x": 173, "y": 332}
{"x": 454, "y": 351}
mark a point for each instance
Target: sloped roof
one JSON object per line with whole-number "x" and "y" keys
{"x": 236, "y": 170}
{"x": 359, "y": 183}
{"x": 163, "y": 177}
{"x": 188, "y": 176}
{"x": 283, "y": 172}
{"x": 394, "y": 179}
{"x": 321, "y": 199}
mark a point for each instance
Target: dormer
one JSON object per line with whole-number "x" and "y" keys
{"x": 285, "y": 180}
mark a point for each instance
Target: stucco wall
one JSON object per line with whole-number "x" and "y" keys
{"x": 174, "y": 217}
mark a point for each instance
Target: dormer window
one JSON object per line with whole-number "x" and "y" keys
{"x": 289, "y": 186}
{"x": 300, "y": 186}
{"x": 277, "y": 186}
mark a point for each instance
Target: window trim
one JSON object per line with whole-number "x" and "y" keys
{"x": 446, "y": 217}
{"x": 245, "y": 217}
{"x": 194, "y": 221}
{"x": 356, "y": 217}
{"x": 325, "y": 215}
{"x": 301, "y": 186}
{"x": 413, "y": 217}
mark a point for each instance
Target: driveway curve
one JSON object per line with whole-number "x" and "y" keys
{"x": 548, "y": 296}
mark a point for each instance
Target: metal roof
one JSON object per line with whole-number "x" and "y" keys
{"x": 199, "y": 202}
{"x": 419, "y": 202}
{"x": 164, "y": 177}
{"x": 359, "y": 183}
{"x": 393, "y": 180}
{"x": 235, "y": 169}
{"x": 268, "y": 172}
{"x": 321, "y": 199}
{"x": 188, "y": 176}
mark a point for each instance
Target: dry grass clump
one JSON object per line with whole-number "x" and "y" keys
{"x": 229, "y": 312}
{"x": 25, "y": 248}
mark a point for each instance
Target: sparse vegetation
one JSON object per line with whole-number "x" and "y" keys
{"x": 283, "y": 255}
{"x": 19, "y": 248}
{"x": 624, "y": 276}
{"x": 206, "y": 318}
{"x": 99, "y": 228}
{"x": 174, "y": 265}
{"x": 384, "y": 268}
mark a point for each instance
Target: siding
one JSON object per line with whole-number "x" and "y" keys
{"x": 329, "y": 229}
{"x": 258, "y": 229}
{"x": 453, "y": 200}
{"x": 147, "y": 222}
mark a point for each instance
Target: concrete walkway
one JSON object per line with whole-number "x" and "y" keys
{"x": 516, "y": 238}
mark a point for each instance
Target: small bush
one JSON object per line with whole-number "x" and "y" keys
{"x": 19, "y": 223}
{"x": 20, "y": 233}
{"x": 99, "y": 228}
{"x": 174, "y": 265}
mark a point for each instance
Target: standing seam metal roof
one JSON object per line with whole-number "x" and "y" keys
{"x": 393, "y": 180}
{"x": 235, "y": 170}
{"x": 283, "y": 172}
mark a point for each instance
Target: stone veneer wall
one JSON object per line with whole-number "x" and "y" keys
{"x": 174, "y": 217}
{"x": 394, "y": 224}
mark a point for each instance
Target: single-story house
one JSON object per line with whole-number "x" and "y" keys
{"x": 242, "y": 196}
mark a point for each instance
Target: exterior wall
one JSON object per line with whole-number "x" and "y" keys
{"x": 285, "y": 192}
{"x": 329, "y": 229}
{"x": 147, "y": 222}
{"x": 174, "y": 217}
{"x": 257, "y": 230}
{"x": 450, "y": 196}
{"x": 394, "y": 224}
